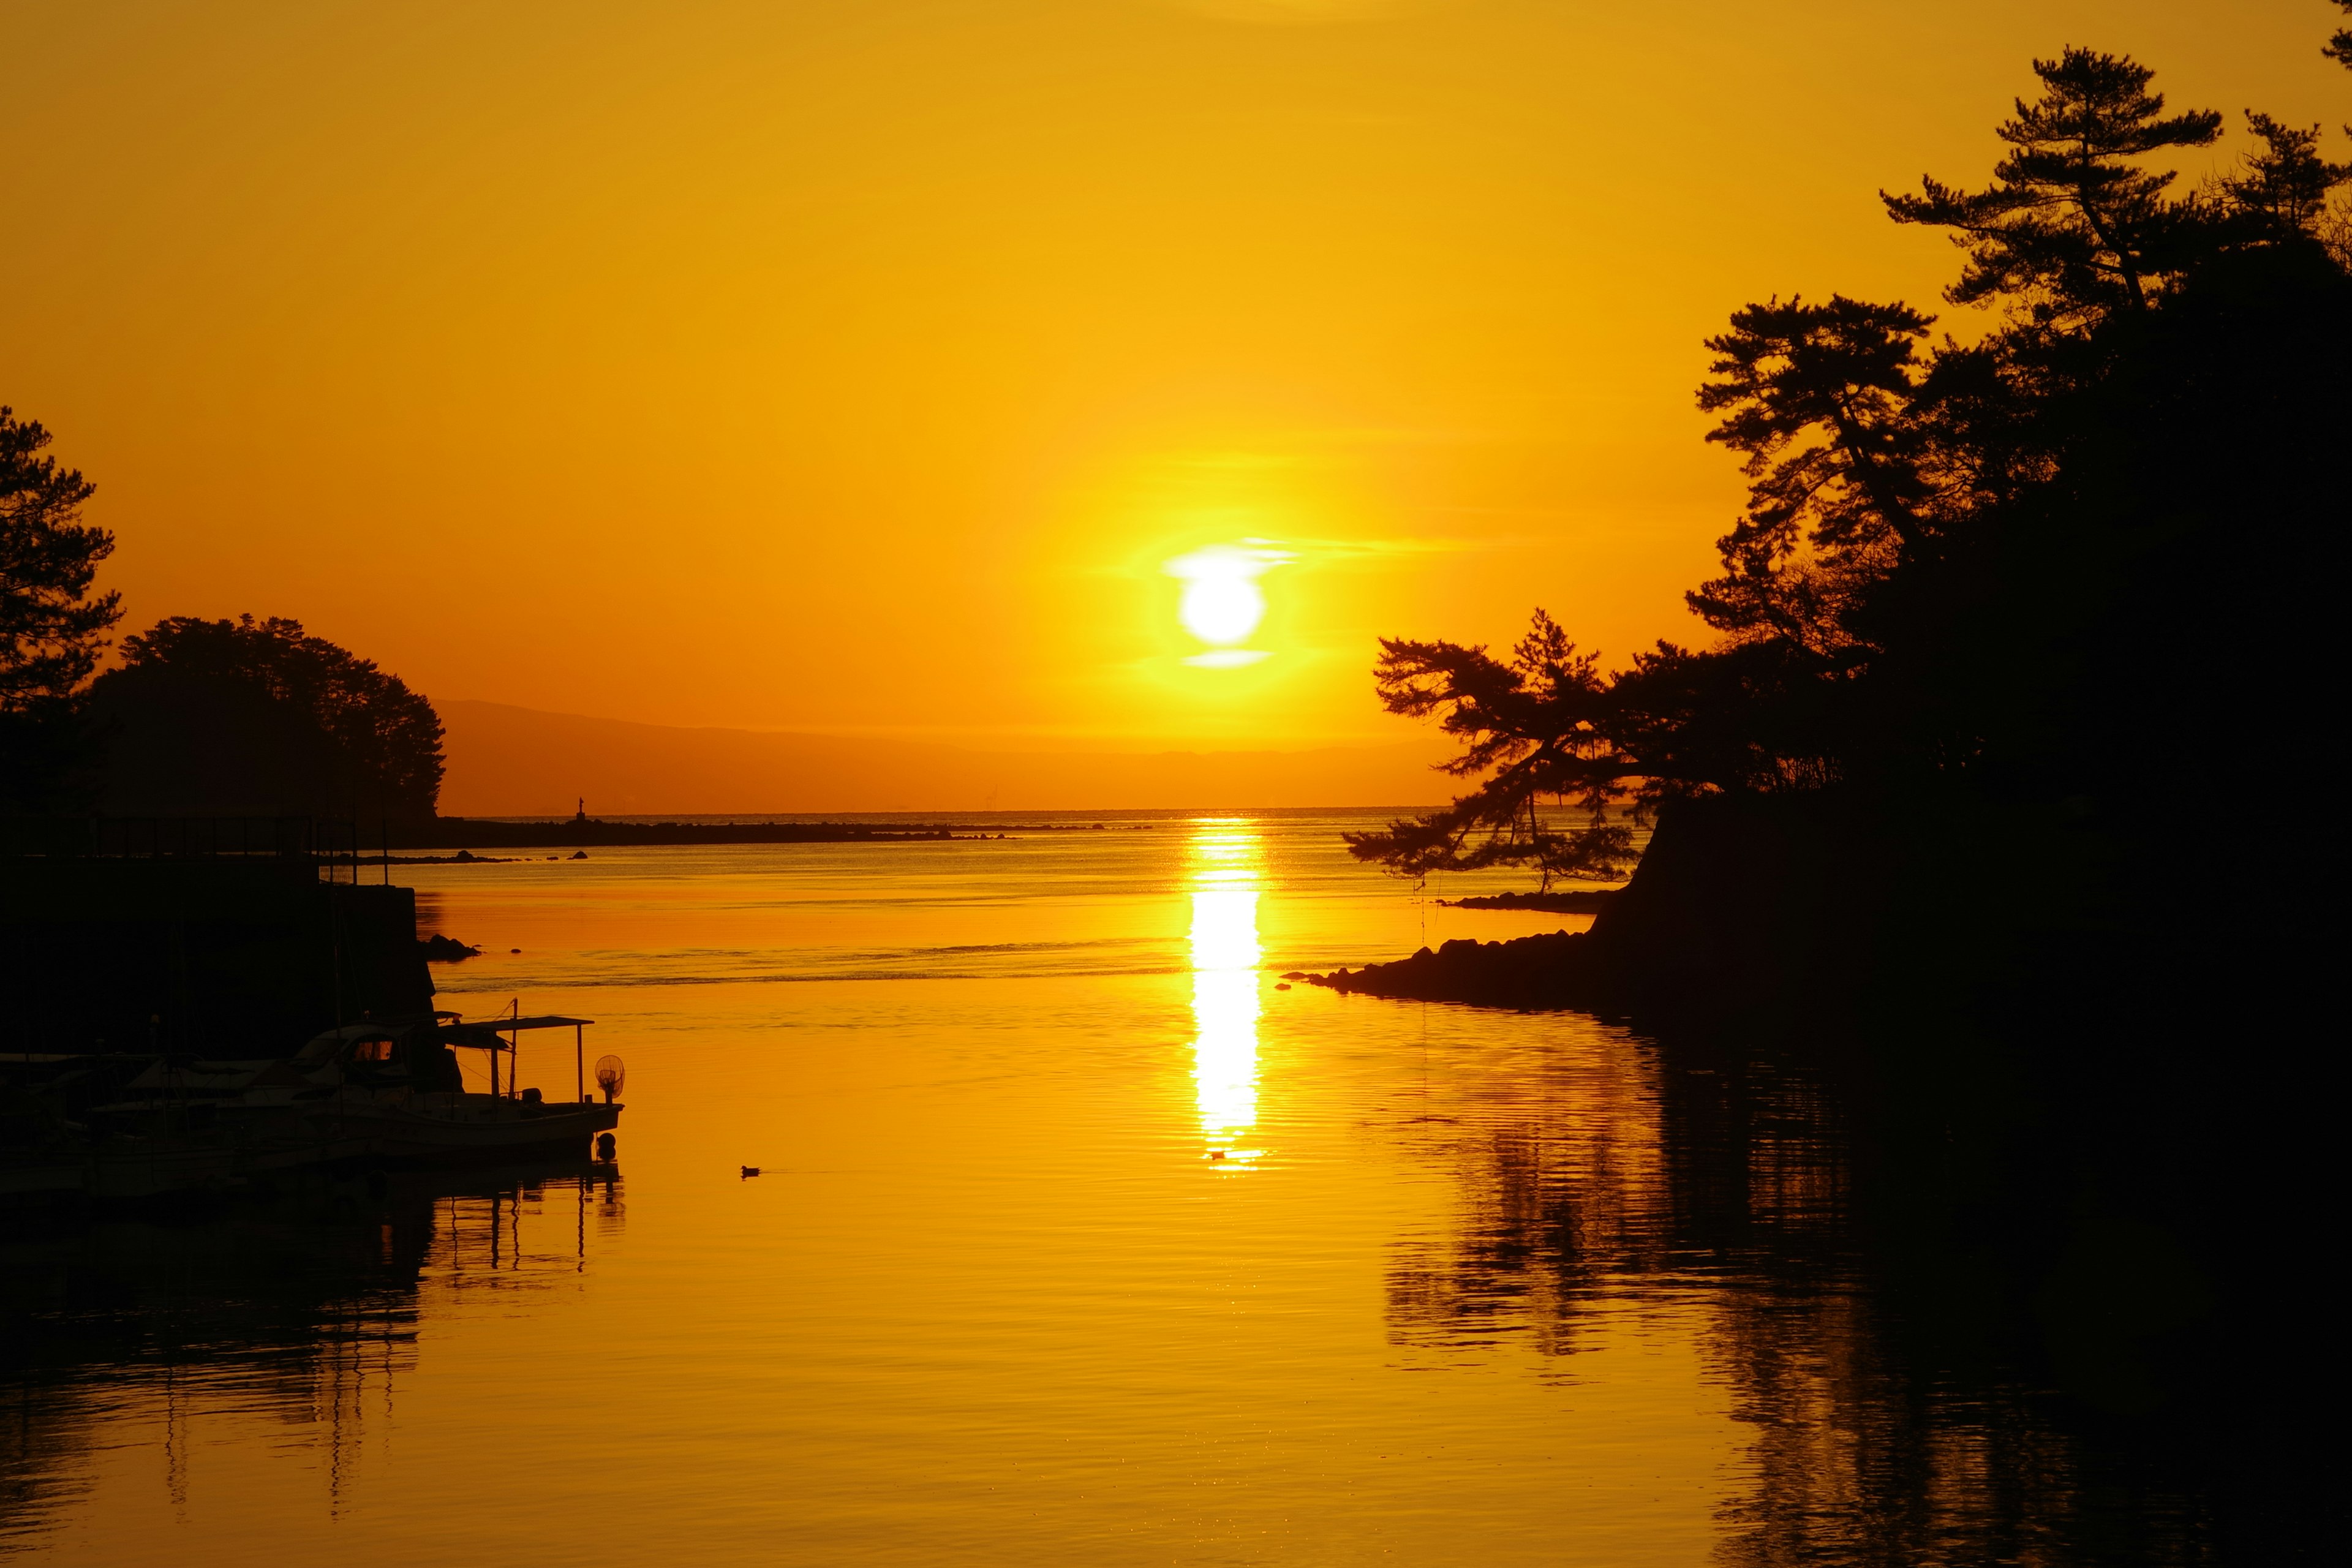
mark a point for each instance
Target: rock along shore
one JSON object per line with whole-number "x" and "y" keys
{"x": 1739, "y": 908}
{"x": 1526, "y": 972}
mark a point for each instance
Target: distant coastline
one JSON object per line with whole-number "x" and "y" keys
{"x": 462, "y": 833}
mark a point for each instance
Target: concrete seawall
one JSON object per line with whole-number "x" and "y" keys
{"x": 212, "y": 956}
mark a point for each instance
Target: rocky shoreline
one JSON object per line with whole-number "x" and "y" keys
{"x": 1577, "y": 901}
{"x": 1741, "y": 910}
{"x": 1528, "y": 973}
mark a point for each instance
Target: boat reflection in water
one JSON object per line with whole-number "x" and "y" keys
{"x": 1226, "y": 867}
{"x": 299, "y": 1315}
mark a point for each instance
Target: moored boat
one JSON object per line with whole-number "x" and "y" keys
{"x": 383, "y": 1089}
{"x": 378, "y": 1092}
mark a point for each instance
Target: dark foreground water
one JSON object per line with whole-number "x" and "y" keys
{"x": 1077, "y": 1239}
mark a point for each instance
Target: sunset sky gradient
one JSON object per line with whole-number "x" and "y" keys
{"x": 860, "y": 367}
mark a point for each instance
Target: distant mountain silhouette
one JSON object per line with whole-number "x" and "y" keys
{"x": 505, "y": 760}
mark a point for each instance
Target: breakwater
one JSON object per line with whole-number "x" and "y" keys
{"x": 582, "y": 832}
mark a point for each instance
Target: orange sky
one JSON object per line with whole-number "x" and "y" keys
{"x": 859, "y": 366}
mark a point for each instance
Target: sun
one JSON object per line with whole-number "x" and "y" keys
{"x": 1222, "y": 608}
{"x": 1223, "y": 603}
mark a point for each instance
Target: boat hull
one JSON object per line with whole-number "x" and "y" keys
{"x": 490, "y": 1130}
{"x": 459, "y": 1129}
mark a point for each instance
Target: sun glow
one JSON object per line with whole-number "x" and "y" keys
{"x": 1223, "y": 604}
{"x": 1225, "y": 1002}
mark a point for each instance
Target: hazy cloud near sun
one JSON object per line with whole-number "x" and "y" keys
{"x": 1297, "y": 551}
{"x": 1281, "y": 13}
{"x": 1354, "y": 551}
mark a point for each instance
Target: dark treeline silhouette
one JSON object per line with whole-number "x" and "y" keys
{"x": 2083, "y": 560}
{"x": 252, "y": 717}
{"x": 2008, "y": 782}
{"x": 221, "y": 718}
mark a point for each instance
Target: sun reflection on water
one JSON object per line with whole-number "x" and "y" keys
{"x": 1227, "y": 875}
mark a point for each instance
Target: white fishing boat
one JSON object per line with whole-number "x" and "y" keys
{"x": 379, "y": 1089}
{"x": 377, "y": 1098}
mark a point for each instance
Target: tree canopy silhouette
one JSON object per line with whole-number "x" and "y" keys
{"x": 1533, "y": 721}
{"x": 2070, "y": 224}
{"x": 52, "y": 629}
{"x": 259, "y": 716}
{"x": 1817, "y": 397}
{"x": 2284, "y": 188}
{"x": 2012, "y": 567}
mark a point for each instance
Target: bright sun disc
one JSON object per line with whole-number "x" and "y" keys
{"x": 1222, "y": 609}
{"x": 1223, "y": 603}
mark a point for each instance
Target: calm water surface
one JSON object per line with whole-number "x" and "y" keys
{"x": 1077, "y": 1239}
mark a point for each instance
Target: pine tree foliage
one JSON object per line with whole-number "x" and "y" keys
{"x": 51, "y": 629}
{"x": 1816, "y": 398}
{"x": 2284, "y": 185}
{"x": 52, "y": 626}
{"x": 1535, "y": 722}
{"x": 2071, "y": 224}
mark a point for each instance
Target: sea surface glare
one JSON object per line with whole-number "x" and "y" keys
{"x": 1076, "y": 1239}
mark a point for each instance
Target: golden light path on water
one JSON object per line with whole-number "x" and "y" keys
{"x": 1226, "y": 874}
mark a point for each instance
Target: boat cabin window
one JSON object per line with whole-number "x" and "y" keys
{"x": 375, "y": 1050}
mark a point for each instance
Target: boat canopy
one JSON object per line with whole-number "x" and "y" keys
{"x": 485, "y": 1035}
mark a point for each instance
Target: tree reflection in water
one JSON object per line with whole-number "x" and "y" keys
{"x": 1600, "y": 1176}
{"x": 305, "y": 1309}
